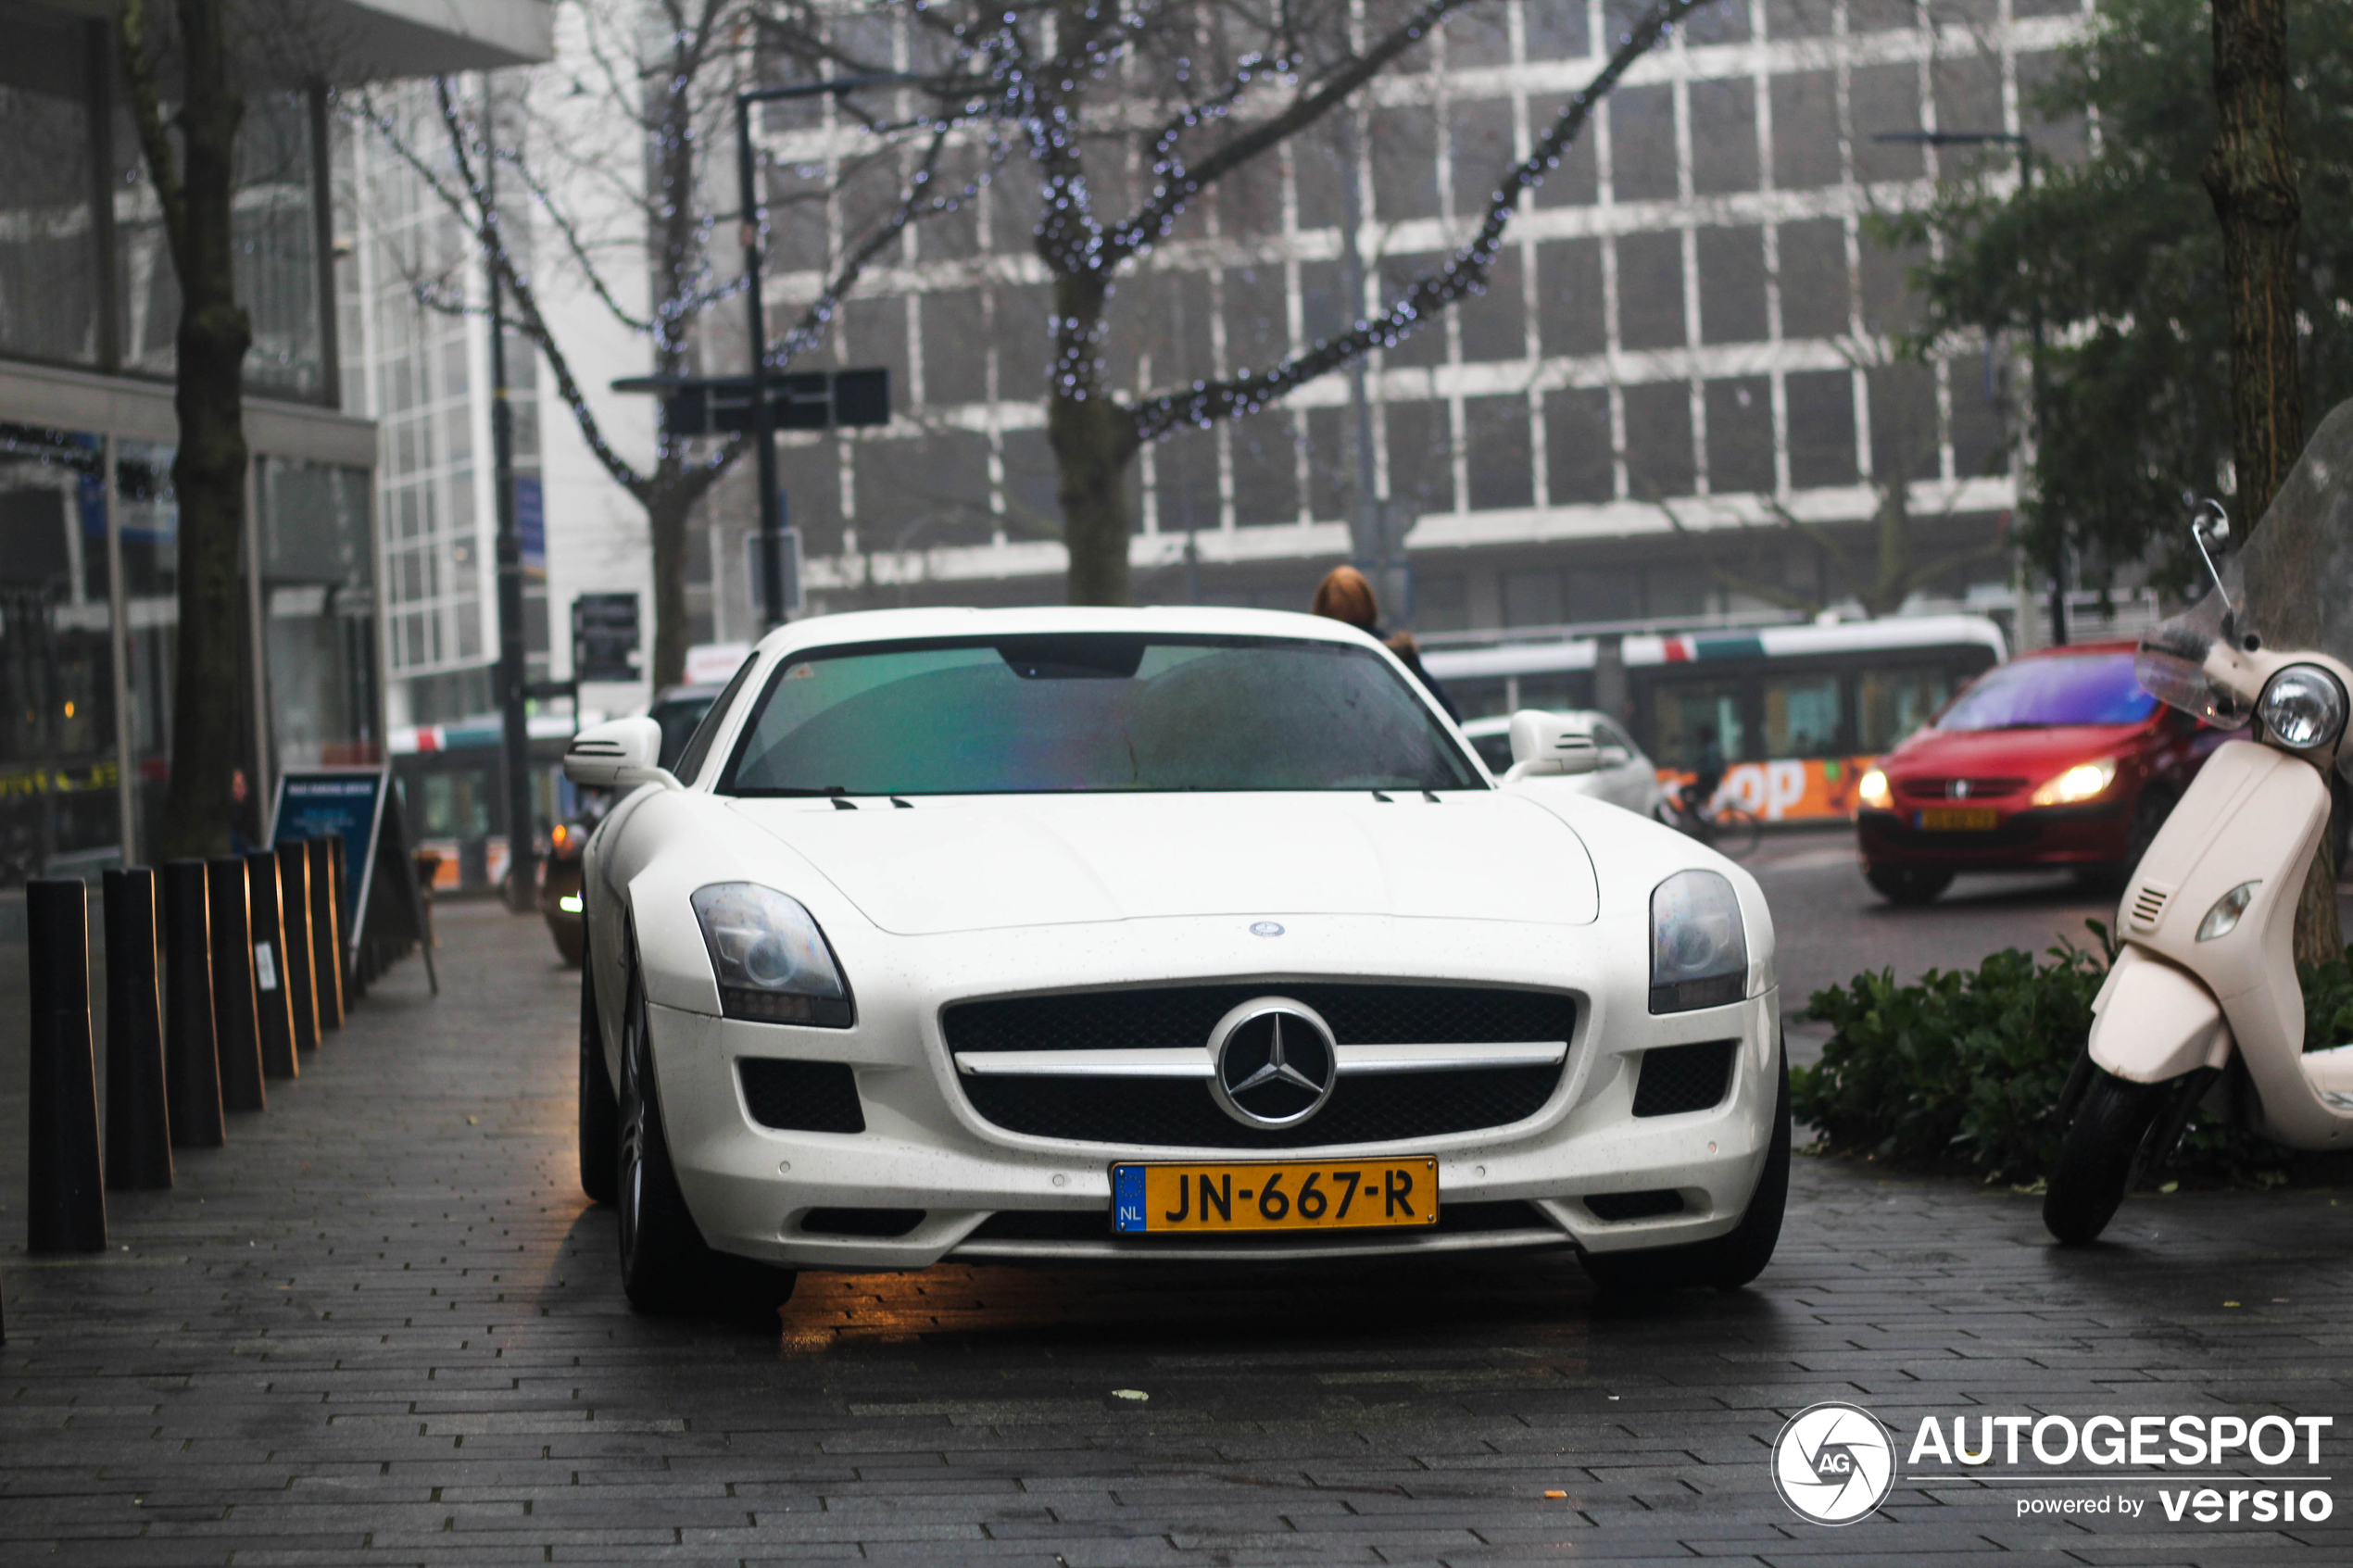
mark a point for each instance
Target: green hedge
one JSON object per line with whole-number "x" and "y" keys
{"x": 1965, "y": 1067}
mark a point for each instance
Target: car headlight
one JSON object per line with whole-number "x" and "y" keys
{"x": 2083, "y": 782}
{"x": 1699, "y": 951}
{"x": 772, "y": 961}
{"x": 2303, "y": 706}
{"x": 1874, "y": 792}
{"x": 2223, "y": 918}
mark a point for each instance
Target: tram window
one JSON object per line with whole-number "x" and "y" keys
{"x": 1682, "y": 711}
{"x": 457, "y": 804}
{"x": 1802, "y": 716}
{"x": 1891, "y": 704}
{"x": 1556, "y": 692}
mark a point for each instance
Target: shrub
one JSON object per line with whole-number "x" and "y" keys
{"x": 1966, "y": 1067}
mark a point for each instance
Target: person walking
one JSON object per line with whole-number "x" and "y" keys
{"x": 1345, "y": 594}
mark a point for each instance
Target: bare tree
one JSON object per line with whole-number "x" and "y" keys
{"x": 1200, "y": 91}
{"x": 193, "y": 175}
{"x": 612, "y": 148}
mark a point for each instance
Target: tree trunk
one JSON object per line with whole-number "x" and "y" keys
{"x": 666, "y": 515}
{"x": 2251, "y": 177}
{"x": 209, "y": 472}
{"x": 1094, "y": 441}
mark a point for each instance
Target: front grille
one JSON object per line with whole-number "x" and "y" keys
{"x": 1615, "y": 1207}
{"x": 802, "y": 1097}
{"x": 1945, "y": 789}
{"x": 1094, "y": 1224}
{"x": 1180, "y": 1114}
{"x": 1678, "y": 1078}
{"x": 1183, "y": 1015}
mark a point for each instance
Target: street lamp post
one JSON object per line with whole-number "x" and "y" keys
{"x": 763, "y": 425}
{"x": 2025, "y": 150}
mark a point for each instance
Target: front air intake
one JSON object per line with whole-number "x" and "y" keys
{"x": 2148, "y": 906}
{"x": 1680, "y": 1078}
{"x": 802, "y": 1097}
{"x": 1619, "y": 1207}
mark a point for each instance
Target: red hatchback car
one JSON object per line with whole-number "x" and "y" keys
{"x": 2057, "y": 758}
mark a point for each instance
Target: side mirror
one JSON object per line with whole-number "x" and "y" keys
{"x": 619, "y": 753}
{"x": 1550, "y": 744}
{"x": 1615, "y": 756}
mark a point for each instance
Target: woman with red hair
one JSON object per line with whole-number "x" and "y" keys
{"x": 1345, "y": 594}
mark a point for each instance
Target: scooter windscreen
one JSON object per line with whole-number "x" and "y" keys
{"x": 2170, "y": 662}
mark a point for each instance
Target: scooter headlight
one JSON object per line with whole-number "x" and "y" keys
{"x": 1699, "y": 949}
{"x": 2303, "y": 706}
{"x": 772, "y": 961}
{"x": 2223, "y": 918}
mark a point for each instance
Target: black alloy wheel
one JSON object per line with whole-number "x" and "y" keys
{"x": 2101, "y": 1157}
{"x": 1728, "y": 1262}
{"x": 1910, "y": 887}
{"x": 599, "y": 1116}
{"x": 665, "y": 1264}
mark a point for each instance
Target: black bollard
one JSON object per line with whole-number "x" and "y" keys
{"x": 326, "y": 932}
{"x": 65, "y": 1184}
{"x": 192, "y": 1067}
{"x": 138, "y": 1126}
{"x": 270, "y": 967}
{"x": 237, "y": 1022}
{"x": 294, "y": 912}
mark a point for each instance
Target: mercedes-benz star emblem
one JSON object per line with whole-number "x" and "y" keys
{"x": 1275, "y": 1064}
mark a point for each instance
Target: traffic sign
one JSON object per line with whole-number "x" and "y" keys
{"x": 803, "y": 400}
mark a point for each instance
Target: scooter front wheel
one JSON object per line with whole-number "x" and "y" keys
{"x": 2100, "y": 1156}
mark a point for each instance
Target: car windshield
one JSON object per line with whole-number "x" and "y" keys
{"x": 2095, "y": 688}
{"x": 1092, "y": 713}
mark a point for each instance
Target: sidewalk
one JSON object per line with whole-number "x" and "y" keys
{"x": 382, "y": 1326}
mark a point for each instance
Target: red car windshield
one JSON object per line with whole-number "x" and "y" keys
{"x": 2037, "y": 693}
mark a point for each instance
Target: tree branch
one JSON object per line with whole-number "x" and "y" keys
{"x": 146, "y": 112}
{"x": 1202, "y": 404}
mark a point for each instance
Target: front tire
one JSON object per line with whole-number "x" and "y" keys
{"x": 1728, "y": 1262}
{"x": 599, "y": 1116}
{"x": 2100, "y": 1158}
{"x": 665, "y": 1264}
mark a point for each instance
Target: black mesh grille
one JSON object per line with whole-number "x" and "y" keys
{"x": 1174, "y": 1113}
{"x": 803, "y": 1096}
{"x": 1094, "y": 1224}
{"x": 1616, "y": 1206}
{"x": 1684, "y": 1078}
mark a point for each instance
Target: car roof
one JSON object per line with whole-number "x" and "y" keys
{"x": 890, "y": 625}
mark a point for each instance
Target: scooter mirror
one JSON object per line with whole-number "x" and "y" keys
{"x": 2212, "y": 526}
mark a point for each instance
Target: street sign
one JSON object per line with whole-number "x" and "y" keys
{"x": 346, "y": 800}
{"x": 605, "y": 639}
{"x": 788, "y": 541}
{"x": 803, "y": 400}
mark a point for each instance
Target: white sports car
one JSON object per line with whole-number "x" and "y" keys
{"x": 1064, "y": 934}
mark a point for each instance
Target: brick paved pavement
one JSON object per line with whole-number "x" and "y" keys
{"x": 383, "y": 1327}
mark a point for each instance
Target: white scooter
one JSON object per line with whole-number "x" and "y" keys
{"x": 2202, "y": 1006}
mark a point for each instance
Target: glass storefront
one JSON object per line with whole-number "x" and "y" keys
{"x": 60, "y": 747}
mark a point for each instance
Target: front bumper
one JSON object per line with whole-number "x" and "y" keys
{"x": 2021, "y": 840}
{"x": 925, "y": 1148}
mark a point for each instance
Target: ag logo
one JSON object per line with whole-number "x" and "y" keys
{"x": 1833, "y": 1463}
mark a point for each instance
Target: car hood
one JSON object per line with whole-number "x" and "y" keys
{"x": 975, "y": 863}
{"x": 2034, "y": 755}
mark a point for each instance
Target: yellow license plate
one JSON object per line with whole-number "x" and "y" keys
{"x": 1960, "y": 818}
{"x": 1288, "y": 1195}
